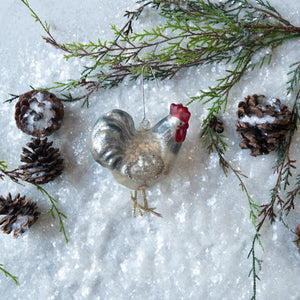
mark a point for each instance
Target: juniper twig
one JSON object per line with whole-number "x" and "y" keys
{"x": 215, "y": 142}
{"x": 54, "y": 210}
{"x": 18, "y": 176}
{"x": 284, "y": 170}
{"x": 7, "y": 274}
{"x": 191, "y": 34}
{"x": 256, "y": 265}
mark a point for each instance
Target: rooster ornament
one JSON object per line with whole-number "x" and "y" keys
{"x": 138, "y": 159}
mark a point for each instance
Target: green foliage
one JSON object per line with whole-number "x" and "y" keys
{"x": 256, "y": 265}
{"x": 54, "y": 210}
{"x": 192, "y": 33}
{"x": 17, "y": 176}
{"x": 12, "y": 98}
{"x": 3, "y": 165}
{"x": 7, "y": 274}
{"x": 215, "y": 142}
{"x": 285, "y": 167}
{"x": 294, "y": 75}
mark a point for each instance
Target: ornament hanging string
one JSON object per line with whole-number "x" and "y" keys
{"x": 145, "y": 124}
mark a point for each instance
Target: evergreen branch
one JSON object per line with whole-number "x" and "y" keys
{"x": 294, "y": 80}
{"x": 214, "y": 142}
{"x": 45, "y": 25}
{"x": 284, "y": 170}
{"x": 256, "y": 263}
{"x": 286, "y": 225}
{"x": 13, "y": 97}
{"x": 17, "y": 175}
{"x": 54, "y": 210}
{"x": 202, "y": 32}
{"x": 219, "y": 94}
{"x": 291, "y": 196}
{"x": 7, "y": 274}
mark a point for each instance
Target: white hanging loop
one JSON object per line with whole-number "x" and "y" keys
{"x": 145, "y": 124}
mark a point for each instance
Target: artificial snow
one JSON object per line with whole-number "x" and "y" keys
{"x": 254, "y": 120}
{"x": 199, "y": 249}
{"x": 39, "y": 113}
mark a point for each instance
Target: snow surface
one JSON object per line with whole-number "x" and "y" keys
{"x": 199, "y": 249}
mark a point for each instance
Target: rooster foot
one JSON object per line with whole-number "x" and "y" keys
{"x": 136, "y": 206}
{"x": 141, "y": 208}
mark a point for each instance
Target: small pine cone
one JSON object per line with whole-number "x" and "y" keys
{"x": 261, "y": 126}
{"x": 42, "y": 162}
{"x": 216, "y": 125}
{"x": 20, "y": 213}
{"x": 39, "y": 113}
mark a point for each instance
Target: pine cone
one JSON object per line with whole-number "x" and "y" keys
{"x": 260, "y": 126}
{"x": 39, "y": 113}
{"x": 216, "y": 125}
{"x": 42, "y": 162}
{"x": 19, "y": 212}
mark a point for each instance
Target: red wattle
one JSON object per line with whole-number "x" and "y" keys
{"x": 181, "y": 133}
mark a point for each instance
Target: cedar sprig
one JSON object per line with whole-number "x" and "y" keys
{"x": 256, "y": 265}
{"x": 83, "y": 50}
{"x": 7, "y": 274}
{"x": 285, "y": 224}
{"x": 12, "y": 98}
{"x": 291, "y": 196}
{"x": 294, "y": 79}
{"x": 192, "y": 33}
{"x": 18, "y": 176}
{"x": 14, "y": 175}
{"x": 284, "y": 168}
{"x": 55, "y": 211}
{"x": 215, "y": 142}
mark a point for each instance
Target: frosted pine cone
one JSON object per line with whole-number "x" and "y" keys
{"x": 260, "y": 126}
{"x": 39, "y": 113}
{"x": 42, "y": 162}
{"x": 20, "y": 213}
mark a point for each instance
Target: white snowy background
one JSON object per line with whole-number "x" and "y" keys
{"x": 199, "y": 249}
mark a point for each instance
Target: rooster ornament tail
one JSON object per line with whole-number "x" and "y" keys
{"x": 138, "y": 159}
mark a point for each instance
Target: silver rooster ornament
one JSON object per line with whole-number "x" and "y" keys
{"x": 138, "y": 159}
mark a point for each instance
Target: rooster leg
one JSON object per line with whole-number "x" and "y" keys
{"x": 136, "y": 206}
{"x": 146, "y": 208}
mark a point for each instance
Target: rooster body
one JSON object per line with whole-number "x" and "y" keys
{"x": 138, "y": 159}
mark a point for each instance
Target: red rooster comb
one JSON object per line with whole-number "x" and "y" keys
{"x": 180, "y": 112}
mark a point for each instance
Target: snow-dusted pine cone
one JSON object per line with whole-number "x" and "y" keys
{"x": 39, "y": 113}
{"x": 262, "y": 126}
{"x": 20, "y": 213}
{"x": 42, "y": 162}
